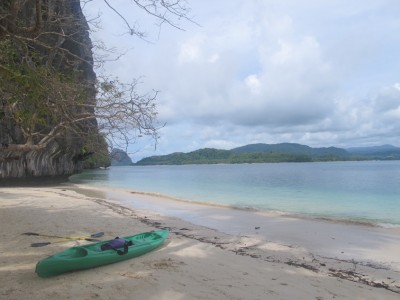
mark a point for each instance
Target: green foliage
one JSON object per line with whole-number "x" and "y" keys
{"x": 32, "y": 91}
{"x": 37, "y": 98}
{"x": 264, "y": 153}
{"x": 292, "y": 148}
{"x": 95, "y": 153}
{"x": 215, "y": 156}
{"x": 96, "y": 160}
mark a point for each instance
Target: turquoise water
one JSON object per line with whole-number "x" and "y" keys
{"x": 366, "y": 191}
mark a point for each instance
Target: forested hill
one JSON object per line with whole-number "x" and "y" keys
{"x": 273, "y": 153}
{"x": 291, "y": 148}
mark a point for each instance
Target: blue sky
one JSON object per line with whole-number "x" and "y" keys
{"x": 321, "y": 73}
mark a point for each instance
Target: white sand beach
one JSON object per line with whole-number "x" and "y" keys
{"x": 279, "y": 258}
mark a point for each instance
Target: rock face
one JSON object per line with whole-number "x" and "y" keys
{"x": 57, "y": 159}
{"x": 120, "y": 158}
{"x": 62, "y": 156}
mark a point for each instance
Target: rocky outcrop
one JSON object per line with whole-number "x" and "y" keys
{"x": 120, "y": 158}
{"x": 61, "y": 156}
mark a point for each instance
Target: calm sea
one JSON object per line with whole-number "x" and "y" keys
{"x": 367, "y": 191}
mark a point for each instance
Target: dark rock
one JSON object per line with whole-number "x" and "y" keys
{"x": 61, "y": 157}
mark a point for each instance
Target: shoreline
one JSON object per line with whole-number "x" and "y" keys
{"x": 193, "y": 251}
{"x": 277, "y": 213}
{"x": 274, "y": 213}
{"x": 302, "y": 199}
{"x": 266, "y": 226}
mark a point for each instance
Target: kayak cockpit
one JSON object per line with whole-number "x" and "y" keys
{"x": 74, "y": 252}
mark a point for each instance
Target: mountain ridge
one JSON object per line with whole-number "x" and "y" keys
{"x": 291, "y": 148}
{"x": 273, "y": 153}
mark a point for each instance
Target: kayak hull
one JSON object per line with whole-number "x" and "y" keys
{"x": 91, "y": 255}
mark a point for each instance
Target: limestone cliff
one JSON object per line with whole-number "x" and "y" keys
{"x": 57, "y": 33}
{"x": 120, "y": 158}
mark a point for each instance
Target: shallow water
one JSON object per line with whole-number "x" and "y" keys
{"x": 367, "y": 191}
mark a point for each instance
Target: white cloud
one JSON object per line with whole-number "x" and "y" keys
{"x": 318, "y": 72}
{"x": 191, "y": 50}
{"x": 253, "y": 84}
{"x": 213, "y": 58}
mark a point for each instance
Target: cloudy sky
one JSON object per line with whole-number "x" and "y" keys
{"x": 316, "y": 72}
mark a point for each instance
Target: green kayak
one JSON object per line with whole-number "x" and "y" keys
{"x": 94, "y": 255}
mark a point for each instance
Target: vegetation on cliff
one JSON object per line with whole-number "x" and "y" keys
{"x": 54, "y": 111}
{"x": 215, "y": 156}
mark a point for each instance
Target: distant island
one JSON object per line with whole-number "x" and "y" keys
{"x": 120, "y": 158}
{"x": 273, "y": 153}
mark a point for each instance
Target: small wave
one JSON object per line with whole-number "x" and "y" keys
{"x": 389, "y": 225}
{"x": 205, "y": 203}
